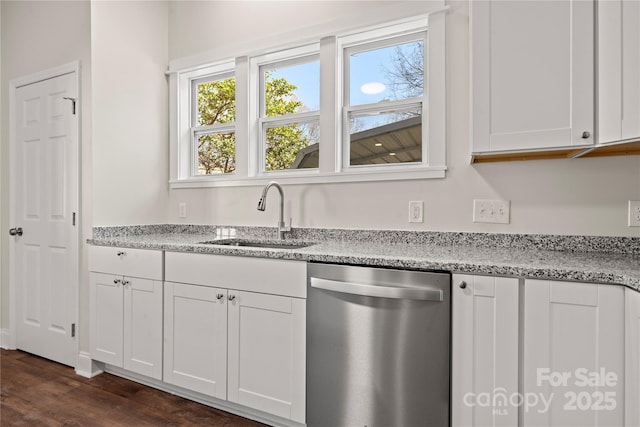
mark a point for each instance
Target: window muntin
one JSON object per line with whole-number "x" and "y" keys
{"x": 383, "y": 96}
{"x": 289, "y": 114}
{"x": 213, "y": 100}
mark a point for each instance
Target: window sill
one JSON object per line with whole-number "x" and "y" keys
{"x": 312, "y": 178}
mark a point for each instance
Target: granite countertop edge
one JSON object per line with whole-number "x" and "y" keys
{"x": 591, "y": 266}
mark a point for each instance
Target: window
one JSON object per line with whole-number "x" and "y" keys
{"x": 289, "y": 109}
{"x": 213, "y": 124}
{"x": 353, "y": 106}
{"x": 383, "y": 95}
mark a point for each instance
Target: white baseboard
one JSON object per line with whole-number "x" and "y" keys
{"x": 86, "y": 367}
{"x": 224, "y": 405}
{"x": 5, "y": 339}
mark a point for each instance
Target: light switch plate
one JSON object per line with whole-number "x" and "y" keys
{"x": 182, "y": 210}
{"x": 491, "y": 211}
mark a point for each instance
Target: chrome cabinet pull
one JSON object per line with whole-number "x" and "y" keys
{"x": 232, "y": 297}
{"x": 126, "y": 283}
{"x": 219, "y": 296}
{"x": 463, "y": 285}
{"x": 116, "y": 281}
{"x": 585, "y": 135}
{"x": 121, "y": 253}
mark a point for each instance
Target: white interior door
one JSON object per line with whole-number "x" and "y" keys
{"x": 44, "y": 201}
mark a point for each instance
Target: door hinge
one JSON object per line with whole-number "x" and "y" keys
{"x": 73, "y": 330}
{"x": 73, "y": 104}
{"x": 73, "y": 219}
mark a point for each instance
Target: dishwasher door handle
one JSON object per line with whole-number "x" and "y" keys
{"x": 381, "y": 291}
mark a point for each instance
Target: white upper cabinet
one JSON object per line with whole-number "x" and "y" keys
{"x": 532, "y": 66}
{"x": 573, "y": 362}
{"x": 618, "y": 70}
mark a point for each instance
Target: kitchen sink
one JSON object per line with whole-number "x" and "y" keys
{"x": 258, "y": 244}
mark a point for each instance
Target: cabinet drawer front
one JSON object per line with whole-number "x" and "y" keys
{"x": 126, "y": 261}
{"x": 269, "y": 276}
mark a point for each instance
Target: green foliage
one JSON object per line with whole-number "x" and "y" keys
{"x": 216, "y": 104}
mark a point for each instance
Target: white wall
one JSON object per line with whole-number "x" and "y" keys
{"x": 583, "y": 196}
{"x": 37, "y": 36}
{"x": 129, "y": 46}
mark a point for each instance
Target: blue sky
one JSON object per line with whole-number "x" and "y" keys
{"x": 366, "y": 67}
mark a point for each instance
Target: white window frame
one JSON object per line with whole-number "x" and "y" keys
{"x": 183, "y": 152}
{"x": 331, "y": 163}
{"x": 371, "y": 40}
{"x": 197, "y": 130}
{"x": 257, "y": 106}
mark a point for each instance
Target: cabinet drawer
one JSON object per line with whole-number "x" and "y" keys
{"x": 126, "y": 261}
{"x": 269, "y": 276}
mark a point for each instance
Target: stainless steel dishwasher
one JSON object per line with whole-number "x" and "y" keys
{"x": 378, "y": 343}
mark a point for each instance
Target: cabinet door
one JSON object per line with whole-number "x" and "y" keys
{"x": 143, "y": 326}
{"x": 267, "y": 353}
{"x": 618, "y": 70}
{"x": 484, "y": 350}
{"x": 532, "y": 74}
{"x": 106, "y": 305}
{"x": 195, "y": 338}
{"x": 573, "y": 362}
{"x": 632, "y": 358}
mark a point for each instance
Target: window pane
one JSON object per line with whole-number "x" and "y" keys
{"x": 389, "y": 73}
{"x": 385, "y": 137}
{"x": 292, "y": 89}
{"x": 216, "y": 153}
{"x": 216, "y": 102}
{"x": 293, "y": 146}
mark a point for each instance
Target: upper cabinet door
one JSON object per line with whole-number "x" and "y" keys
{"x": 532, "y": 75}
{"x": 618, "y": 70}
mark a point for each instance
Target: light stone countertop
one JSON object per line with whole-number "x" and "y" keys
{"x": 608, "y": 260}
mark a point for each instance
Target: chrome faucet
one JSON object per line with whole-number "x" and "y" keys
{"x": 262, "y": 204}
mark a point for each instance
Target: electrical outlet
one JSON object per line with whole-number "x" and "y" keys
{"x": 491, "y": 211}
{"x": 182, "y": 210}
{"x": 416, "y": 211}
{"x": 634, "y": 213}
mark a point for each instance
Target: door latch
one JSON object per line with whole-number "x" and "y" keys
{"x": 15, "y": 231}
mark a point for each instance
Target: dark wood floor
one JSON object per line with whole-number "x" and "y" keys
{"x": 38, "y": 392}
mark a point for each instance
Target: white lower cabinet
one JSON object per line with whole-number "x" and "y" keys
{"x": 125, "y": 287}
{"x": 484, "y": 350}
{"x": 195, "y": 338}
{"x": 267, "y": 353}
{"x": 226, "y": 341}
{"x": 126, "y": 323}
{"x": 632, "y": 358}
{"x": 573, "y": 360}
